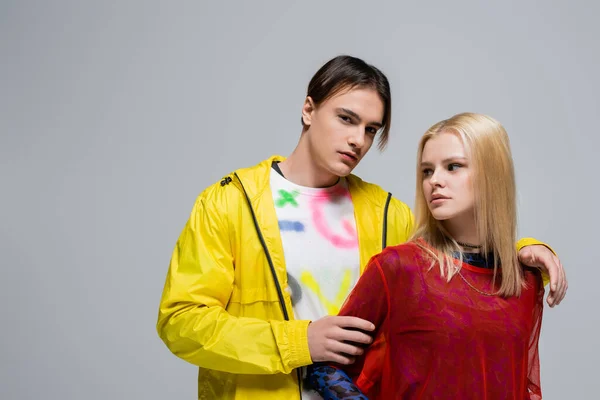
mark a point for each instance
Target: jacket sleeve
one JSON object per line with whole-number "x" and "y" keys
{"x": 193, "y": 321}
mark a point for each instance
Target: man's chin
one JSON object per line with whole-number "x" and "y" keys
{"x": 343, "y": 169}
{"x": 343, "y": 172}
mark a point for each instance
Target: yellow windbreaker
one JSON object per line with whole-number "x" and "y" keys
{"x": 226, "y": 306}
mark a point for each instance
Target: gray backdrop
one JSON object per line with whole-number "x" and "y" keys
{"x": 115, "y": 115}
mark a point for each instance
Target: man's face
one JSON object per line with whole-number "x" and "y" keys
{"x": 342, "y": 129}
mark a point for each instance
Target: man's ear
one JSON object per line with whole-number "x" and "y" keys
{"x": 307, "y": 111}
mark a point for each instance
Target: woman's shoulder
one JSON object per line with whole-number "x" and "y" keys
{"x": 409, "y": 256}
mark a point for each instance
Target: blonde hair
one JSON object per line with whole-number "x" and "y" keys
{"x": 488, "y": 149}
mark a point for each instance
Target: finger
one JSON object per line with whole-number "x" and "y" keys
{"x": 339, "y": 358}
{"x": 550, "y": 300}
{"x": 355, "y": 322}
{"x": 345, "y": 349}
{"x": 554, "y": 272}
{"x": 559, "y": 292}
{"x": 557, "y": 261}
{"x": 352, "y": 336}
{"x": 563, "y": 287}
{"x": 566, "y": 280}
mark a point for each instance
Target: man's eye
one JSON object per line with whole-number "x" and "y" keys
{"x": 372, "y": 130}
{"x": 345, "y": 118}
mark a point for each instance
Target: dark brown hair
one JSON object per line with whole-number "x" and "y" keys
{"x": 346, "y": 73}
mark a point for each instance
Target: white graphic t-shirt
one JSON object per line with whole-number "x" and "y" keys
{"x": 320, "y": 245}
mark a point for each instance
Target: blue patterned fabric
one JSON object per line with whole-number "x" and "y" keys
{"x": 332, "y": 383}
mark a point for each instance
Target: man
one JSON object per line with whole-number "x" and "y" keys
{"x": 270, "y": 248}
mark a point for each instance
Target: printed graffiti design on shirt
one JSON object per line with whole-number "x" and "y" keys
{"x": 332, "y": 306}
{"x": 317, "y": 205}
{"x": 295, "y": 289}
{"x": 286, "y": 197}
{"x": 287, "y": 225}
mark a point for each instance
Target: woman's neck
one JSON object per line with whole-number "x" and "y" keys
{"x": 464, "y": 231}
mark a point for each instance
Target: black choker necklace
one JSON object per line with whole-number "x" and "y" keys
{"x": 469, "y": 246}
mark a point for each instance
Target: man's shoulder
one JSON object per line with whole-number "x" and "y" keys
{"x": 249, "y": 180}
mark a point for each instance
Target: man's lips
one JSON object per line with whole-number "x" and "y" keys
{"x": 352, "y": 156}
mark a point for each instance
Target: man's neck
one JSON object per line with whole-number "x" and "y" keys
{"x": 301, "y": 169}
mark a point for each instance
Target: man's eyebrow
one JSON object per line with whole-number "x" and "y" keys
{"x": 357, "y": 117}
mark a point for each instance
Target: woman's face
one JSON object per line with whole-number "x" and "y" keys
{"x": 447, "y": 178}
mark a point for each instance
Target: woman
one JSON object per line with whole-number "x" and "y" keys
{"x": 456, "y": 315}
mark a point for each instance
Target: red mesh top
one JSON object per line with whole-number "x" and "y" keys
{"x": 444, "y": 340}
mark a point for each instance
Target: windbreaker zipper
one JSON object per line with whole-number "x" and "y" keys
{"x": 272, "y": 268}
{"x": 385, "y": 219}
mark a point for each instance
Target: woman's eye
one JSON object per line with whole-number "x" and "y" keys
{"x": 427, "y": 172}
{"x": 454, "y": 167}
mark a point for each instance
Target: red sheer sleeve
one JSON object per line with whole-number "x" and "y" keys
{"x": 369, "y": 300}
{"x": 533, "y": 367}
